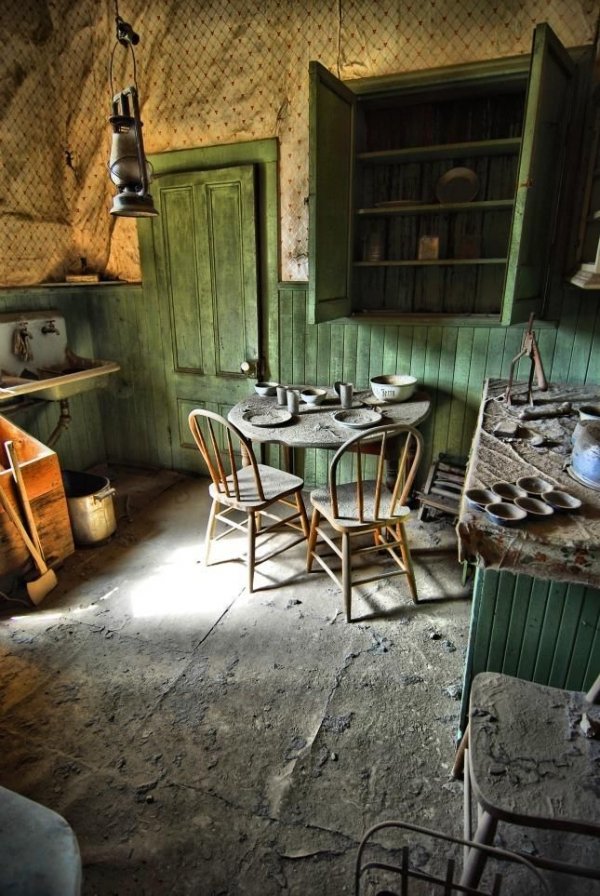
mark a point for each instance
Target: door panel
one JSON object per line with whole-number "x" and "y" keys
{"x": 539, "y": 176}
{"x": 206, "y": 267}
{"x": 332, "y": 117}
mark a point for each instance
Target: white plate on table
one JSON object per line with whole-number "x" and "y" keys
{"x": 361, "y": 418}
{"x": 274, "y": 417}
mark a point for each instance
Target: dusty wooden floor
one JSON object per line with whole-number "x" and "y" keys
{"x": 202, "y": 740}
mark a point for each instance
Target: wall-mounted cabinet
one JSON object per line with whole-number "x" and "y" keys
{"x": 436, "y": 193}
{"x": 587, "y": 275}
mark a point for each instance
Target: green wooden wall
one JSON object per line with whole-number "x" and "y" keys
{"x": 451, "y": 362}
{"x": 544, "y": 631}
{"x": 125, "y": 423}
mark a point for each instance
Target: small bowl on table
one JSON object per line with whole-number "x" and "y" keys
{"x": 562, "y": 502}
{"x": 478, "y": 498}
{"x": 313, "y": 396}
{"x": 534, "y": 507}
{"x": 508, "y": 491}
{"x": 534, "y": 485}
{"x": 265, "y": 389}
{"x": 505, "y": 514}
{"x": 393, "y": 387}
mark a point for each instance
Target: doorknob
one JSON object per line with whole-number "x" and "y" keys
{"x": 250, "y": 369}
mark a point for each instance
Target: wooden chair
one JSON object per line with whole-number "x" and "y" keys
{"x": 354, "y": 509}
{"x": 532, "y": 758}
{"x": 241, "y": 485}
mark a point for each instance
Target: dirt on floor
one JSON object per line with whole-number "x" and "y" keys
{"x": 203, "y": 740}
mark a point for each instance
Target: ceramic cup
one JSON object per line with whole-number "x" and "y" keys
{"x": 282, "y": 396}
{"x": 293, "y": 400}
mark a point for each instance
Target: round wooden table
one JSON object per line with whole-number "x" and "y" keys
{"x": 315, "y": 426}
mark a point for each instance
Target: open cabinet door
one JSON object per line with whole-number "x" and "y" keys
{"x": 539, "y": 178}
{"x": 332, "y": 116}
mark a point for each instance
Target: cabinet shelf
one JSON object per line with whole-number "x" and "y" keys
{"x": 378, "y": 150}
{"x": 427, "y": 262}
{"x": 506, "y": 146}
{"x": 438, "y": 207}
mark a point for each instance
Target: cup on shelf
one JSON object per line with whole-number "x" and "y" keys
{"x": 293, "y": 400}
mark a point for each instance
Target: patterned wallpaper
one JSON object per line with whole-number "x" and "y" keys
{"x": 209, "y": 72}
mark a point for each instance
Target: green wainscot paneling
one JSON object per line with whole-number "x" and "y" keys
{"x": 451, "y": 361}
{"x": 538, "y": 630}
{"x": 127, "y": 422}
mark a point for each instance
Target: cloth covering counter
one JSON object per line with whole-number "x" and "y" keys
{"x": 536, "y": 595}
{"x": 564, "y": 547}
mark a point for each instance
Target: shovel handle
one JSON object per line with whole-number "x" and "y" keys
{"x": 11, "y": 450}
{"x": 12, "y": 513}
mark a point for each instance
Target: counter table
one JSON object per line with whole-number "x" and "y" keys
{"x": 536, "y": 599}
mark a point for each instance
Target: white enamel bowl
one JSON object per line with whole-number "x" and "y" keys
{"x": 393, "y": 387}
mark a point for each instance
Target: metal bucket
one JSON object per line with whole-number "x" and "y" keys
{"x": 91, "y": 507}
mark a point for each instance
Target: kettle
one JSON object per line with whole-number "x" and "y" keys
{"x": 585, "y": 457}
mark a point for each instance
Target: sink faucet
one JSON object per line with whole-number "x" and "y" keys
{"x": 21, "y": 338}
{"x": 49, "y": 327}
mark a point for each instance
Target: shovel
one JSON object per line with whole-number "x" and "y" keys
{"x": 37, "y": 589}
{"x": 11, "y": 451}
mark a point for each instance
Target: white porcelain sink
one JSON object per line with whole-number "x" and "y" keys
{"x": 35, "y": 359}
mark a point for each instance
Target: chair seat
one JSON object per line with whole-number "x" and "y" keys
{"x": 531, "y": 763}
{"x": 275, "y": 483}
{"x": 346, "y": 519}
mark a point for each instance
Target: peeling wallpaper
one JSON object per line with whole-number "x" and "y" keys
{"x": 208, "y": 73}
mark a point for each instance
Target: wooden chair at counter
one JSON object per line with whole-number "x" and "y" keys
{"x": 531, "y": 759}
{"x": 344, "y": 512}
{"x": 241, "y": 484}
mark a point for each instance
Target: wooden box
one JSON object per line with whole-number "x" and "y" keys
{"x": 43, "y": 482}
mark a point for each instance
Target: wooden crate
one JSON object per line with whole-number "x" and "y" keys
{"x": 44, "y": 485}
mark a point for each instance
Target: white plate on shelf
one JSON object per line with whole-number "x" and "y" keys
{"x": 273, "y": 417}
{"x": 457, "y": 185}
{"x": 361, "y": 418}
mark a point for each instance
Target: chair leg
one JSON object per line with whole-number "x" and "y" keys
{"x": 312, "y": 539}
{"x": 302, "y": 512}
{"x": 251, "y": 550}
{"x": 210, "y": 531}
{"x": 407, "y": 560}
{"x": 475, "y": 859}
{"x": 347, "y": 575}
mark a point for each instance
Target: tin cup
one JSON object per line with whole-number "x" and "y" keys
{"x": 282, "y": 396}
{"x": 346, "y": 391}
{"x": 293, "y": 400}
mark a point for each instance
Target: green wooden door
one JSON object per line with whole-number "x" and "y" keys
{"x": 205, "y": 260}
{"x": 539, "y": 178}
{"x": 332, "y": 114}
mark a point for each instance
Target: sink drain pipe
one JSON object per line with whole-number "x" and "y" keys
{"x": 64, "y": 421}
